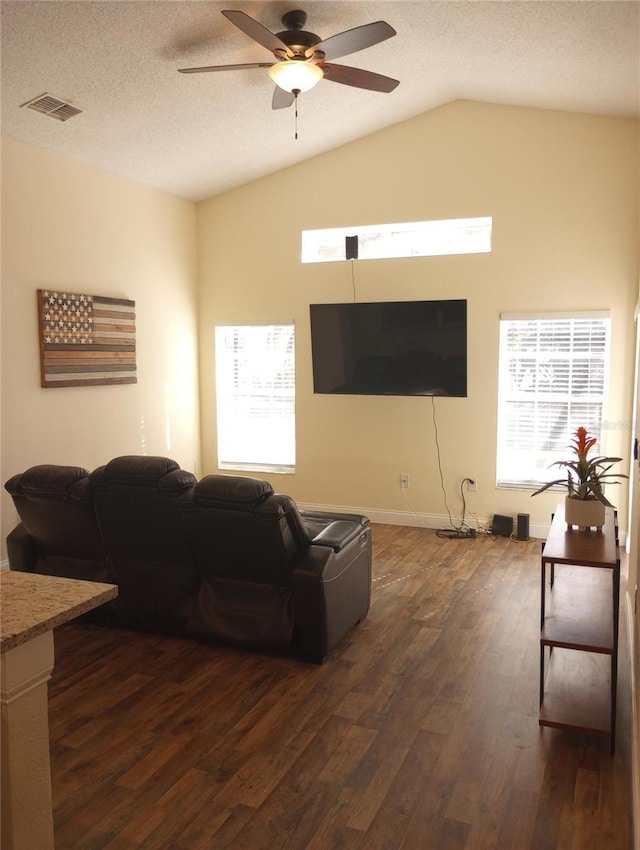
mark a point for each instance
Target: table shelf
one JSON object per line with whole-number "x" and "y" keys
{"x": 578, "y": 611}
{"x": 579, "y": 619}
{"x": 577, "y": 692}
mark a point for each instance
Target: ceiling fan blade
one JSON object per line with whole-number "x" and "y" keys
{"x": 359, "y": 78}
{"x": 208, "y": 68}
{"x": 352, "y": 40}
{"x": 256, "y": 31}
{"x": 281, "y": 98}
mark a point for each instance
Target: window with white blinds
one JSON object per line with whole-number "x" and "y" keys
{"x": 552, "y": 379}
{"x": 255, "y": 393}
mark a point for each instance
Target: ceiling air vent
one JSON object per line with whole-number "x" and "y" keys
{"x": 52, "y": 106}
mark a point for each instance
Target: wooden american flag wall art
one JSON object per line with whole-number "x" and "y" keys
{"x": 86, "y": 340}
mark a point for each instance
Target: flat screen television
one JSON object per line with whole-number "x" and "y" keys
{"x": 402, "y": 348}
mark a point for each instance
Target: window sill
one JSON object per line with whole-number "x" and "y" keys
{"x": 281, "y": 469}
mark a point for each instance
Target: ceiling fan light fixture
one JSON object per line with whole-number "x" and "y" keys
{"x": 295, "y": 75}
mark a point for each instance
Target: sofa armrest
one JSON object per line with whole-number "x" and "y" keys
{"x": 20, "y": 550}
{"x": 338, "y": 534}
{"x": 331, "y": 593}
{"x": 333, "y": 529}
{"x": 326, "y": 517}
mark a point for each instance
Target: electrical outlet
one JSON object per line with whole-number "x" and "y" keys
{"x": 404, "y": 480}
{"x": 472, "y": 484}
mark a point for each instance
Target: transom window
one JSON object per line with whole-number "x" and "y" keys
{"x": 408, "y": 239}
{"x": 553, "y": 379}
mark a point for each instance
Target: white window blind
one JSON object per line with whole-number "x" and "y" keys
{"x": 255, "y": 392}
{"x": 552, "y": 379}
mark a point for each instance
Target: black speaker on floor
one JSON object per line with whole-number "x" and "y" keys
{"x": 523, "y": 527}
{"x": 502, "y": 526}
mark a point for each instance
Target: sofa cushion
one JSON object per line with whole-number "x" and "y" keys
{"x": 233, "y": 491}
{"x": 137, "y": 470}
{"x": 136, "y": 501}
{"x": 58, "y": 534}
{"x": 56, "y": 508}
{"x": 61, "y": 482}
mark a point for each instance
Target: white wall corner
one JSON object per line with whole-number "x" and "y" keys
{"x": 635, "y": 722}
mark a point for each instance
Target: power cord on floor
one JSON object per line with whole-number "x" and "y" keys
{"x": 457, "y": 532}
{"x": 514, "y": 536}
{"x": 482, "y": 529}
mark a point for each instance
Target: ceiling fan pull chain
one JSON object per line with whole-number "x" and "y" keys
{"x": 295, "y": 93}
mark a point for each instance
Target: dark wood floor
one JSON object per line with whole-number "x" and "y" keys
{"x": 421, "y": 732}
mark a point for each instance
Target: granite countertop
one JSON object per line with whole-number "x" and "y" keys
{"x": 32, "y": 604}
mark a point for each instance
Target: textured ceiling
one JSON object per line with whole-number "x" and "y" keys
{"x": 199, "y": 135}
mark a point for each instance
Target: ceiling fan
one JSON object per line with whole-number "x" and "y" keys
{"x": 301, "y": 57}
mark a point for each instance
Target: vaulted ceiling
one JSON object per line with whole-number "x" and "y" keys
{"x": 198, "y": 135}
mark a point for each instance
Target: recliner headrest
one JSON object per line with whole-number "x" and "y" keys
{"x": 137, "y": 470}
{"x": 174, "y": 482}
{"x": 61, "y": 482}
{"x": 232, "y": 491}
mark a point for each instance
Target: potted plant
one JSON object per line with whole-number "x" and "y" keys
{"x": 585, "y": 500}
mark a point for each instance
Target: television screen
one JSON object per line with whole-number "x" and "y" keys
{"x": 404, "y": 348}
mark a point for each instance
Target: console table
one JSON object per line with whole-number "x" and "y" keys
{"x": 579, "y": 615}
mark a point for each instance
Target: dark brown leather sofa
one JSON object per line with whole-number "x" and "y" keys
{"x": 225, "y": 560}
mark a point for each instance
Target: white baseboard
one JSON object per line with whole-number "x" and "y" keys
{"x": 415, "y": 519}
{"x": 635, "y": 725}
{"x": 4, "y": 565}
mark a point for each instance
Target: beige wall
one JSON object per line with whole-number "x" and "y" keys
{"x": 562, "y": 190}
{"x": 71, "y": 227}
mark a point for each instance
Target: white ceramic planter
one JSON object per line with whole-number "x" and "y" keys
{"x": 588, "y": 513}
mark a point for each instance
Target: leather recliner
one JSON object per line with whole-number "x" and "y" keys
{"x": 224, "y": 560}
{"x": 266, "y": 581}
{"x": 136, "y": 500}
{"x": 58, "y": 534}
